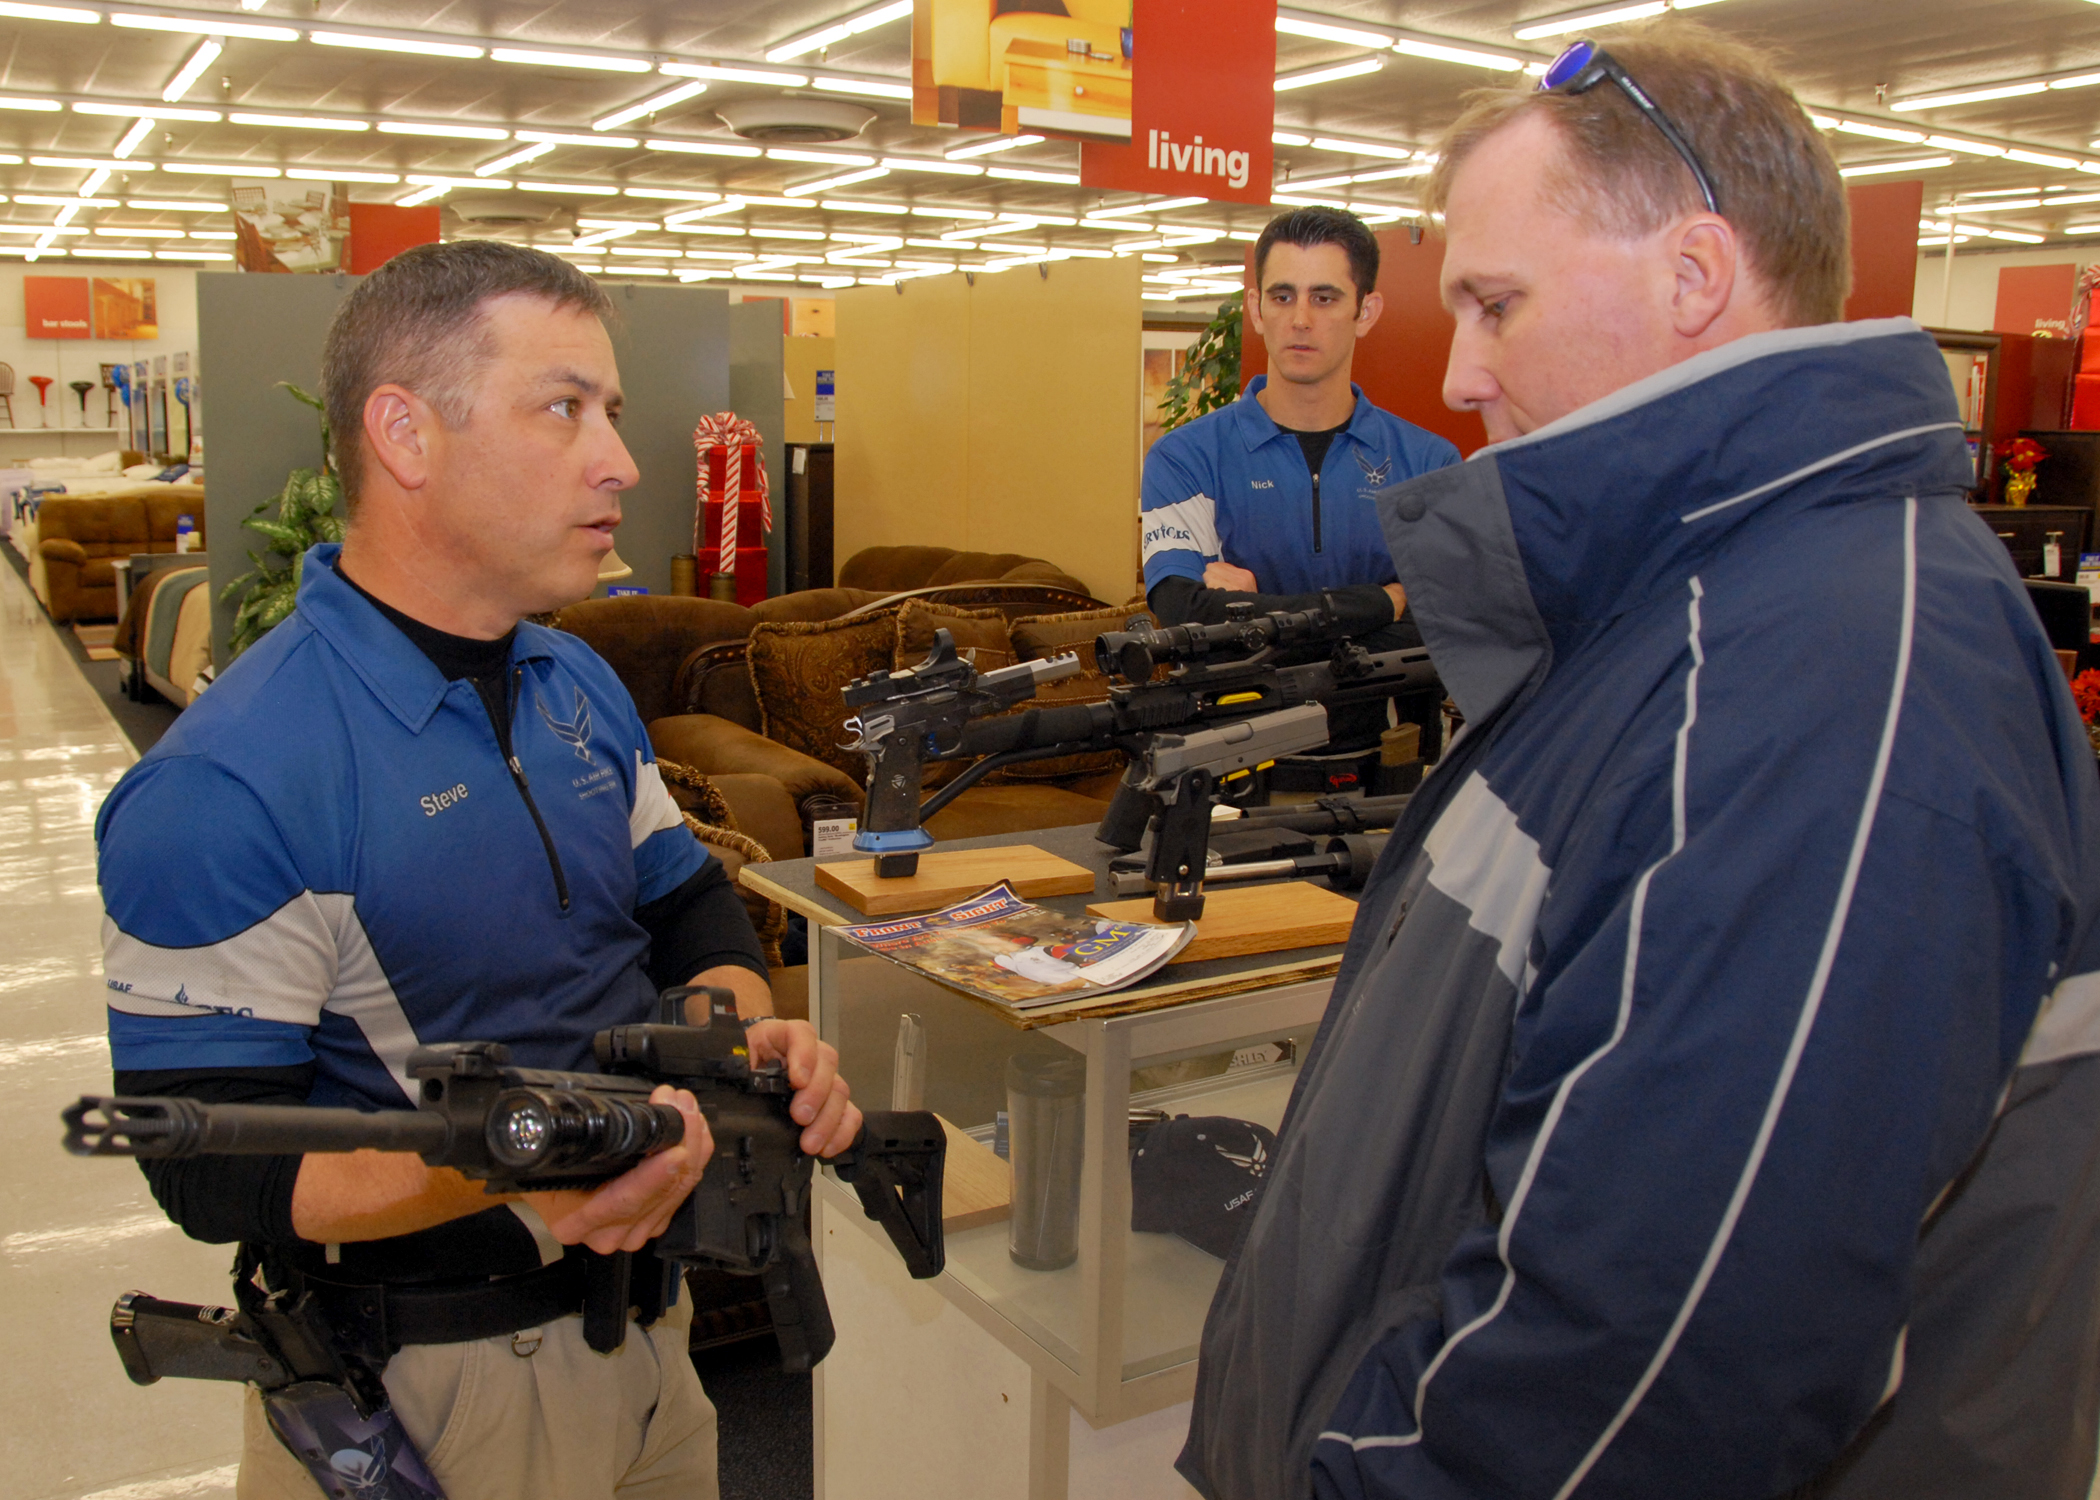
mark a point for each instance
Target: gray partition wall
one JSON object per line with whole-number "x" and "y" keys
{"x": 672, "y": 344}
{"x": 758, "y": 394}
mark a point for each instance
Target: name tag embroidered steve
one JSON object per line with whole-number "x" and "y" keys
{"x": 437, "y": 802}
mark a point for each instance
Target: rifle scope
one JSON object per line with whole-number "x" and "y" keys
{"x": 1133, "y": 655}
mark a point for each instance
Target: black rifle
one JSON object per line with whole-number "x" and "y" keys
{"x": 1235, "y": 696}
{"x": 522, "y": 1129}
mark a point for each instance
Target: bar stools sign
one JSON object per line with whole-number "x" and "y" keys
{"x": 72, "y": 307}
{"x": 56, "y": 307}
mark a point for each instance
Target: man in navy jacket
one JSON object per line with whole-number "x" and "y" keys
{"x": 1709, "y": 1101}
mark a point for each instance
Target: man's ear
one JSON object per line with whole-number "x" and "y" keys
{"x": 1250, "y": 309}
{"x": 1368, "y": 311}
{"x": 1707, "y": 259}
{"x": 400, "y": 426}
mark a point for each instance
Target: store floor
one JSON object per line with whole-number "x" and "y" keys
{"x": 75, "y": 1234}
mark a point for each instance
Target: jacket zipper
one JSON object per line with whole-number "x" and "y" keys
{"x": 1316, "y": 511}
{"x": 517, "y": 774}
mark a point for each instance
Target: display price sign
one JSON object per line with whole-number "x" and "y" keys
{"x": 1203, "y": 104}
{"x": 827, "y": 396}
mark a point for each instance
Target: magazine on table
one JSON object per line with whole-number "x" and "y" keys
{"x": 1000, "y": 948}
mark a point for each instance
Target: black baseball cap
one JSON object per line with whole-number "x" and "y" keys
{"x": 1199, "y": 1177}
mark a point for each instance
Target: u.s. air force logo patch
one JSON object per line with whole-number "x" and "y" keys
{"x": 1375, "y": 475}
{"x": 576, "y": 733}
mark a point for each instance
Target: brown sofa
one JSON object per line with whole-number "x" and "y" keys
{"x": 80, "y": 536}
{"x": 685, "y": 661}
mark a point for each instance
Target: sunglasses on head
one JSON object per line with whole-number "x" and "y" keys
{"x": 1585, "y": 65}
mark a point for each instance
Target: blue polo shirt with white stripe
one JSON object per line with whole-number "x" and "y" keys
{"x": 1234, "y": 486}
{"x": 327, "y": 859}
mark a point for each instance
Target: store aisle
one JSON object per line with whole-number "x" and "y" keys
{"x": 74, "y": 1234}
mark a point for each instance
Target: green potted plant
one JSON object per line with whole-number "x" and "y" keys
{"x": 306, "y": 514}
{"x": 1209, "y": 376}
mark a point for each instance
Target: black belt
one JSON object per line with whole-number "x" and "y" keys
{"x": 377, "y": 1319}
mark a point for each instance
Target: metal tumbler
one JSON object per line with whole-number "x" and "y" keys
{"x": 1045, "y": 1104}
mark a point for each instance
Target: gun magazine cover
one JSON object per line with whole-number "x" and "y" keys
{"x": 1014, "y": 953}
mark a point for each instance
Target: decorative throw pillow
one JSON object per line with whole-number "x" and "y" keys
{"x": 1041, "y": 636}
{"x": 979, "y": 634}
{"x": 798, "y": 669}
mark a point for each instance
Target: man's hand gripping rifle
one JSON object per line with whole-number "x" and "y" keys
{"x": 1228, "y": 703}
{"x": 527, "y": 1128}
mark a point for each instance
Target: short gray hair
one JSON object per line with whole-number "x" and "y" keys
{"x": 418, "y": 322}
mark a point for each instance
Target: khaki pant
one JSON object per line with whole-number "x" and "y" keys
{"x": 565, "y": 1423}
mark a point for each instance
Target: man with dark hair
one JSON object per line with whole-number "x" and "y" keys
{"x": 1709, "y": 1100}
{"x": 407, "y": 817}
{"x": 1269, "y": 499}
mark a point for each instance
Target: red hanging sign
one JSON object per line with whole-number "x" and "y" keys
{"x": 55, "y": 307}
{"x": 1203, "y": 104}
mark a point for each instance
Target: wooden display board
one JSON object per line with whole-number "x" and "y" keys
{"x": 947, "y": 875}
{"x": 977, "y": 1186}
{"x": 1245, "y": 919}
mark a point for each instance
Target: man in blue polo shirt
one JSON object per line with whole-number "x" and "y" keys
{"x": 408, "y": 816}
{"x": 1269, "y": 499}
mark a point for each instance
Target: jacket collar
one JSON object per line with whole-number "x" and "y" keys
{"x": 1256, "y": 426}
{"x": 1533, "y": 540}
{"x": 390, "y": 665}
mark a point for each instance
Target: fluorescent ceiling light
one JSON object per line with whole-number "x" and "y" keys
{"x": 1388, "y": 174}
{"x": 595, "y": 189}
{"x": 597, "y": 60}
{"x": 772, "y": 200}
{"x": 702, "y": 148}
{"x": 337, "y": 174}
{"x": 191, "y": 255}
{"x": 2081, "y": 229}
{"x": 844, "y": 180}
{"x": 2025, "y": 192}
{"x": 206, "y": 24}
{"x": 822, "y": 158}
{"x": 2042, "y": 159}
{"x": 567, "y": 138}
{"x": 726, "y": 206}
{"x": 2003, "y": 205}
{"x": 629, "y": 224}
{"x": 789, "y": 234}
{"x": 212, "y": 169}
{"x": 652, "y": 251}
{"x": 650, "y": 105}
{"x": 1310, "y": 76}
{"x": 634, "y": 270}
{"x": 1314, "y": 184}
{"x": 426, "y": 179}
{"x": 1116, "y": 226}
{"x": 1165, "y": 205}
{"x": 1966, "y": 96}
{"x": 1595, "y": 15}
{"x": 601, "y": 236}
{"x": 422, "y": 195}
{"x": 446, "y": 132}
{"x": 1289, "y": 138}
{"x": 98, "y": 253}
{"x": 89, "y": 163}
{"x": 300, "y": 122}
{"x": 930, "y": 212}
{"x": 51, "y": 13}
{"x": 1918, "y": 164}
{"x": 1362, "y": 148}
{"x": 735, "y": 75}
{"x": 987, "y": 148}
{"x": 1972, "y": 148}
{"x": 1470, "y": 57}
{"x": 140, "y": 132}
{"x": 867, "y": 87}
{"x": 513, "y": 159}
{"x": 206, "y": 54}
{"x": 1327, "y": 31}
{"x": 395, "y": 44}
{"x": 1879, "y": 132}
{"x": 144, "y": 111}
{"x": 2074, "y": 198}
{"x": 175, "y": 206}
{"x": 144, "y": 234}
{"x": 839, "y": 30}
{"x": 2080, "y": 81}
{"x": 1018, "y": 174}
{"x": 213, "y": 234}
{"x": 685, "y": 195}
{"x": 855, "y": 206}
{"x": 41, "y": 106}
{"x": 47, "y": 200}
{"x": 930, "y": 164}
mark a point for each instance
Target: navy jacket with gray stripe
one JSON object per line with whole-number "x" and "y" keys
{"x": 1709, "y": 1103}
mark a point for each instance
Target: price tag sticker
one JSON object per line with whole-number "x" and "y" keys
{"x": 833, "y": 837}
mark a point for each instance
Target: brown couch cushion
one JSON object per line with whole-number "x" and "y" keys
{"x": 798, "y": 669}
{"x": 816, "y": 604}
{"x": 891, "y": 569}
{"x": 979, "y": 634}
{"x": 1052, "y": 635}
{"x": 646, "y": 637}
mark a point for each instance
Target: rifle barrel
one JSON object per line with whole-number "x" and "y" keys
{"x": 175, "y": 1127}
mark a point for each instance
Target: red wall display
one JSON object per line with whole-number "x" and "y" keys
{"x": 56, "y": 307}
{"x": 1203, "y": 104}
{"x": 1400, "y": 362}
{"x": 2035, "y": 299}
{"x": 381, "y": 231}
{"x": 1885, "y": 249}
